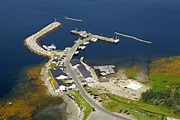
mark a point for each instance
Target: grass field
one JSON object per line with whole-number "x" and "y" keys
{"x": 140, "y": 110}
{"x": 132, "y": 72}
{"x": 84, "y": 105}
{"x": 52, "y": 65}
{"x": 130, "y": 75}
{"x": 162, "y": 82}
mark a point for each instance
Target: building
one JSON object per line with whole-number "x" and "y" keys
{"x": 59, "y": 76}
{"x": 133, "y": 85}
{"x": 75, "y": 63}
{"x": 81, "y": 69}
{"x": 58, "y": 73}
{"x": 170, "y": 118}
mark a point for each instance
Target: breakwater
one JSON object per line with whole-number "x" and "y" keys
{"x": 32, "y": 41}
{"x": 132, "y": 37}
{"x": 73, "y": 19}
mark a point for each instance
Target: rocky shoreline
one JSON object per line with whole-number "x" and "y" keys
{"x": 72, "y": 109}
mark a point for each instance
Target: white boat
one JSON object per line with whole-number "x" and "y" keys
{"x": 45, "y": 47}
{"x": 116, "y": 40}
{"x": 85, "y": 43}
{"x": 52, "y": 47}
{"x": 83, "y": 35}
{"x": 76, "y": 52}
{"x": 94, "y": 39}
{"x": 82, "y": 47}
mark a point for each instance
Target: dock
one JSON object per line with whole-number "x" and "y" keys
{"x": 102, "y": 38}
{"x": 32, "y": 41}
{"x": 132, "y": 37}
{"x": 73, "y": 19}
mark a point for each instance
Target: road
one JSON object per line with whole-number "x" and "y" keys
{"x": 80, "y": 87}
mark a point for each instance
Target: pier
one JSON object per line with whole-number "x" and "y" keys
{"x": 32, "y": 41}
{"x": 85, "y": 34}
{"x": 132, "y": 37}
{"x": 73, "y": 19}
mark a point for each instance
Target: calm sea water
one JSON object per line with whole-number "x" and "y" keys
{"x": 154, "y": 20}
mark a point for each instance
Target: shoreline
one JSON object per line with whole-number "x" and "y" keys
{"x": 72, "y": 109}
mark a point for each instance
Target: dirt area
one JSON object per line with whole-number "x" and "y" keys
{"x": 117, "y": 84}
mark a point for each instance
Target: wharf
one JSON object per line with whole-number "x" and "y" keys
{"x": 132, "y": 37}
{"x": 84, "y": 33}
{"x": 32, "y": 41}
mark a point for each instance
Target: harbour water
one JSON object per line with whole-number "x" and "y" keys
{"x": 157, "y": 21}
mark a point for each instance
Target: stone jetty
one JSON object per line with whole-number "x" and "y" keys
{"x": 32, "y": 41}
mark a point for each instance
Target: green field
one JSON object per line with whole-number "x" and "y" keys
{"x": 52, "y": 65}
{"x": 84, "y": 105}
{"x": 140, "y": 110}
{"x": 162, "y": 82}
{"x": 131, "y": 75}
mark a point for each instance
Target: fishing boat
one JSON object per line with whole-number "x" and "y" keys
{"x": 94, "y": 39}
{"x": 116, "y": 40}
{"x": 82, "y": 47}
{"x": 50, "y": 47}
{"x": 85, "y": 43}
{"x": 76, "y": 52}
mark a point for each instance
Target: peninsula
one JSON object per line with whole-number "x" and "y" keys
{"x": 31, "y": 43}
{"x": 93, "y": 88}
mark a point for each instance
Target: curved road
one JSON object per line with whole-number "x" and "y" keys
{"x": 80, "y": 87}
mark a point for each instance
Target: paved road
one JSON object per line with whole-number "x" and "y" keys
{"x": 80, "y": 87}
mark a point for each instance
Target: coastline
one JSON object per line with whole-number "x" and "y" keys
{"x": 72, "y": 109}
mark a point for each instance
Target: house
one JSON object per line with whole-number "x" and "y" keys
{"x": 82, "y": 70}
{"x": 85, "y": 73}
{"x": 75, "y": 63}
{"x": 58, "y": 73}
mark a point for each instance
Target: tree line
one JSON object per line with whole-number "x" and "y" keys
{"x": 170, "y": 98}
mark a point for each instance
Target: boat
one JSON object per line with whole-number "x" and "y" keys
{"x": 82, "y": 47}
{"x": 45, "y": 47}
{"x": 73, "y": 19}
{"x": 83, "y": 34}
{"x": 116, "y": 40}
{"x": 94, "y": 39}
{"x": 50, "y": 47}
{"x": 76, "y": 52}
{"x": 85, "y": 43}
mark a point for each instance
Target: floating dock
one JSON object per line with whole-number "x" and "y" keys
{"x": 84, "y": 34}
{"x": 32, "y": 41}
{"x": 73, "y": 19}
{"x": 132, "y": 37}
